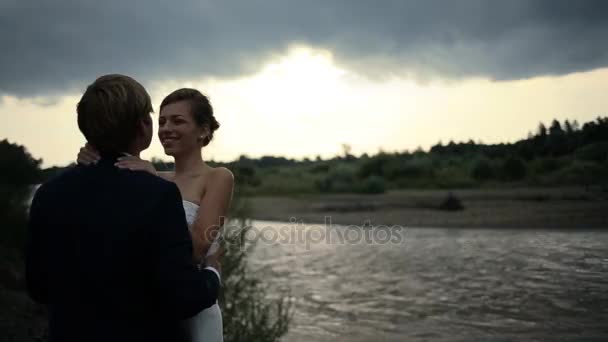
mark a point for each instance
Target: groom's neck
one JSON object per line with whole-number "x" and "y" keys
{"x": 134, "y": 150}
{"x": 134, "y": 153}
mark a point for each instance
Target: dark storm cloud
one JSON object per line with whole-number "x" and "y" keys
{"x": 53, "y": 46}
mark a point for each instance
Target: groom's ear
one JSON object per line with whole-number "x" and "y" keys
{"x": 144, "y": 129}
{"x": 147, "y": 120}
{"x": 144, "y": 123}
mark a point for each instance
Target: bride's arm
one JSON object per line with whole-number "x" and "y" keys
{"x": 214, "y": 206}
{"x": 136, "y": 164}
{"x": 88, "y": 155}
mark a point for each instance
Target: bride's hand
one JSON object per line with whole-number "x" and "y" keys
{"x": 214, "y": 259}
{"x": 136, "y": 164}
{"x": 87, "y": 155}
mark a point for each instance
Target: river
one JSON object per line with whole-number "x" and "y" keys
{"x": 441, "y": 284}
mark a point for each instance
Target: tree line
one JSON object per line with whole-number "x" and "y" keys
{"x": 562, "y": 153}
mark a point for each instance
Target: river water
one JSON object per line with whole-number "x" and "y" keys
{"x": 439, "y": 284}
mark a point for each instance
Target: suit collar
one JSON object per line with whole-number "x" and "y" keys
{"x": 111, "y": 157}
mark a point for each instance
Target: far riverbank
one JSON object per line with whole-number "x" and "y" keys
{"x": 561, "y": 208}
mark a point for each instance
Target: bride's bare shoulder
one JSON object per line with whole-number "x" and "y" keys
{"x": 218, "y": 179}
{"x": 221, "y": 174}
{"x": 219, "y": 182}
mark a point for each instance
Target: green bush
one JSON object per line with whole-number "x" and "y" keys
{"x": 20, "y": 318}
{"x": 339, "y": 179}
{"x": 581, "y": 173}
{"x": 18, "y": 172}
{"x": 482, "y": 170}
{"x": 412, "y": 168}
{"x": 597, "y": 152}
{"x": 13, "y": 214}
{"x": 320, "y": 168}
{"x": 375, "y": 165}
{"x": 548, "y": 165}
{"x": 453, "y": 177}
{"x": 17, "y": 166}
{"x": 514, "y": 168}
{"x": 372, "y": 185}
{"x": 248, "y": 312}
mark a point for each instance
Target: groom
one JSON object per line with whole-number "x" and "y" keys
{"x": 109, "y": 249}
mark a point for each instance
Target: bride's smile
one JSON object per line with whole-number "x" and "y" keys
{"x": 168, "y": 141}
{"x": 177, "y": 130}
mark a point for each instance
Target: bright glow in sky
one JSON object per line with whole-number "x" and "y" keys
{"x": 301, "y": 104}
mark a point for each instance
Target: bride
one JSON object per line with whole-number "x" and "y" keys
{"x": 186, "y": 125}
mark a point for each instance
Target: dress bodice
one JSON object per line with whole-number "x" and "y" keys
{"x": 207, "y": 325}
{"x": 191, "y": 210}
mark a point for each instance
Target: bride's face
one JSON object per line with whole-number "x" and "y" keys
{"x": 177, "y": 130}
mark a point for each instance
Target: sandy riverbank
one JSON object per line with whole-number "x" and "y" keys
{"x": 484, "y": 208}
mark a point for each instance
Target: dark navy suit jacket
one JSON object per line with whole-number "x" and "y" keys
{"x": 109, "y": 252}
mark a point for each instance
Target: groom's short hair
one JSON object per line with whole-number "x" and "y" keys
{"x": 110, "y": 110}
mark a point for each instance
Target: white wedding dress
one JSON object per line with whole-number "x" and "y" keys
{"x": 206, "y": 325}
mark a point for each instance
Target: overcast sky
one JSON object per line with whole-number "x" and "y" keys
{"x": 397, "y": 59}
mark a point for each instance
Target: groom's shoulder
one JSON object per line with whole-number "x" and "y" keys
{"x": 145, "y": 180}
{"x": 143, "y": 186}
{"x": 59, "y": 180}
{"x": 77, "y": 177}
